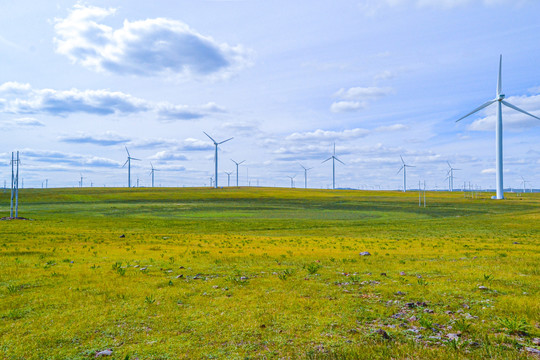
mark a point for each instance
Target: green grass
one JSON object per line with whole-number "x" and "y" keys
{"x": 268, "y": 273}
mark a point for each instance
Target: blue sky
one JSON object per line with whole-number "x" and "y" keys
{"x": 81, "y": 80}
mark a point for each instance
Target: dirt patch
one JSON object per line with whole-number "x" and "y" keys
{"x": 14, "y": 218}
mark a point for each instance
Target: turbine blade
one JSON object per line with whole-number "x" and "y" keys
{"x": 241, "y": 162}
{"x": 136, "y": 159}
{"x": 339, "y": 160}
{"x": 402, "y": 159}
{"x": 330, "y": 158}
{"x": 499, "y": 80}
{"x": 214, "y": 141}
{"x": 224, "y": 141}
{"x": 518, "y": 109}
{"x": 125, "y": 163}
{"x": 477, "y": 109}
{"x": 401, "y": 168}
{"x": 450, "y": 166}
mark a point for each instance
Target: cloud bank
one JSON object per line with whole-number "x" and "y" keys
{"x": 144, "y": 48}
{"x": 18, "y": 98}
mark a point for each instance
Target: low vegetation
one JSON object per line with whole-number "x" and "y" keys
{"x": 268, "y": 273}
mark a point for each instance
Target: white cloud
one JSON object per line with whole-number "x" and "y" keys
{"x": 329, "y": 135}
{"x": 23, "y": 122}
{"x": 106, "y": 139}
{"x": 23, "y": 99}
{"x": 360, "y": 93}
{"x": 357, "y": 98}
{"x": 488, "y": 171}
{"x": 146, "y": 48}
{"x": 347, "y": 106}
{"x": 168, "y": 155}
{"x": 59, "y": 158}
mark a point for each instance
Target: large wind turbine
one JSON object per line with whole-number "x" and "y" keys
{"x": 499, "y": 99}
{"x": 450, "y": 176}
{"x": 152, "y": 172}
{"x": 237, "y": 163}
{"x": 216, "y": 156}
{"x": 128, "y": 161}
{"x": 305, "y": 174}
{"x": 334, "y": 158}
{"x": 404, "y": 168}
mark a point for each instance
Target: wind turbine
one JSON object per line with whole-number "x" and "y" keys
{"x": 499, "y": 99}
{"x": 524, "y": 182}
{"x": 450, "y": 176}
{"x": 237, "y": 163}
{"x": 228, "y": 178}
{"x": 128, "y": 161}
{"x": 152, "y": 172}
{"x": 404, "y": 168}
{"x": 81, "y": 183}
{"x": 305, "y": 174}
{"x": 216, "y": 156}
{"x": 292, "y": 180}
{"x": 333, "y": 158}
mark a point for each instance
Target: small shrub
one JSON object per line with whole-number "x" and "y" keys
{"x": 462, "y": 325}
{"x": 514, "y": 326}
{"x": 150, "y": 300}
{"x": 313, "y": 268}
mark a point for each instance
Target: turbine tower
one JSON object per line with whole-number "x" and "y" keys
{"x": 81, "y": 183}
{"x": 499, "y": 99}
{"x": 216, "y": 156}
{"x": 333, "y": 158}
{"x": 404, "y": 168}
{"x": 450, "y": 176}
{"x": 305, "y": 174}
{"x": 237, "y": 163}
{"x": 128, "y": 161}
{"x": 152, "y": 172}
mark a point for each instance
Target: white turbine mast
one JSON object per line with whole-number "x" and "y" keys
{"x": 333, "y": 158}
{"x": 237, "y": 164}
{"x": 404, "y": 168}
{"x": 450, "y": 176}
{"x": 128, "y": 162}
{"x": 292, "y": 180}
{"x": 228, "y": 178}
{"x": 152, "y": 172}
{"x": 499, "y": 99}
{"x": 305, "y": 174}
{"x": 216, "y": 156}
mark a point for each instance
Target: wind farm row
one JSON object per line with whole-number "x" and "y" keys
{"x": 450, "y": 176}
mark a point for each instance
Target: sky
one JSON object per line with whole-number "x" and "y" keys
{"x": 80, "y": 81}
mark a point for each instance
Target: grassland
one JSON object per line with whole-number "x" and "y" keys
{"x": 268, "y": 273}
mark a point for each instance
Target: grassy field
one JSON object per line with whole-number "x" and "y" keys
{"x": 255, "y": 273}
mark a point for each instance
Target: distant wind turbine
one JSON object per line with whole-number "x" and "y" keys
{"x": 333, "y": 158}
{"x": 216, "y": 156}
{"x": 128, "y": 162}
{"x": 152, "y": 173}
{"x": 237, "y": 163}
{"x": 228, "y": 178}
{"x": 81, "y": 183}
{"x": 450, "y": 176}
{"x": 292, "y": 180}
{"x": 404, "y": 168}
{"x": 305, "y": 174}
{"x": 499, "y": 99}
